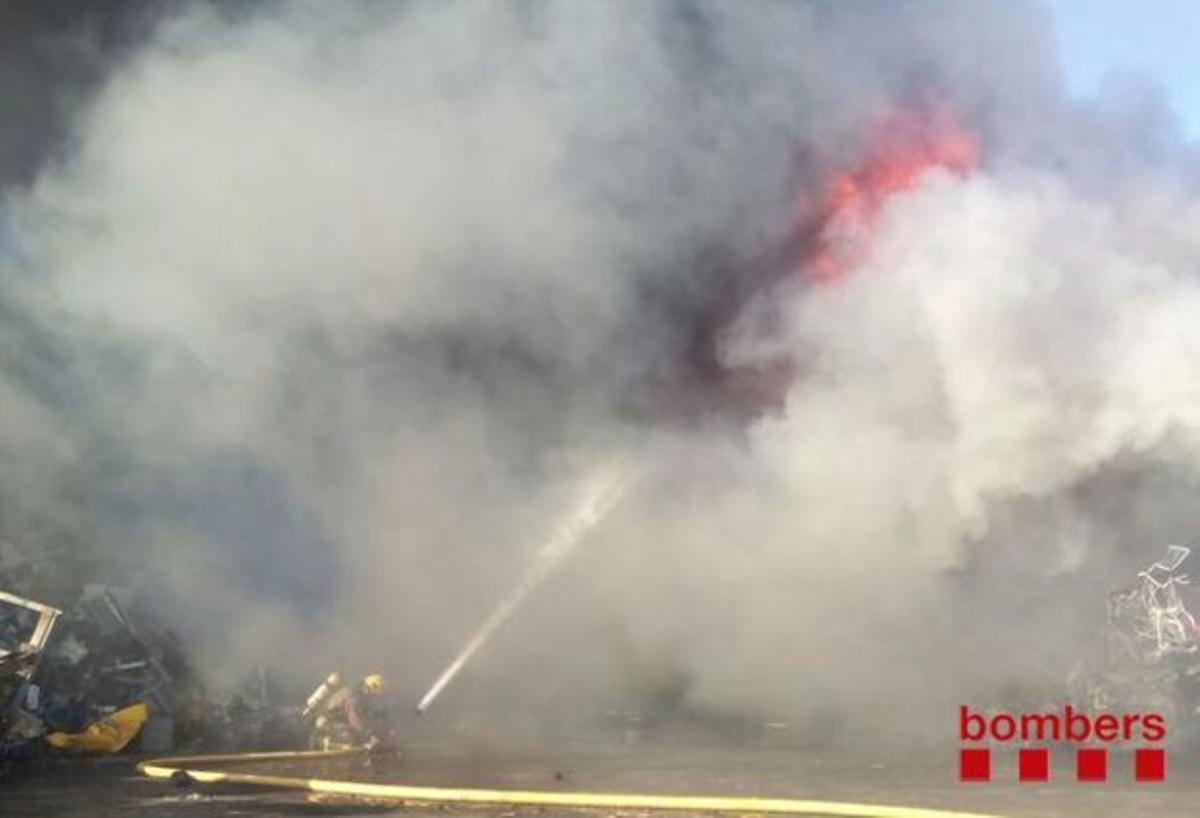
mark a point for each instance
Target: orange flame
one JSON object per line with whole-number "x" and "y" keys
{"x": 906, "y": 147}
{"x": 830, "y": 234}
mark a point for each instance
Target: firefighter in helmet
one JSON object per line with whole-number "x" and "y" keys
{"x": 347, "y": 716}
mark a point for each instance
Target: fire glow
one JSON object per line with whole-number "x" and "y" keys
{"x": 905, "y": 148}
{"x": 831, "y": 232}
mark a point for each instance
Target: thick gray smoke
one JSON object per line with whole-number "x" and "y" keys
{"x": 321, "y": 311}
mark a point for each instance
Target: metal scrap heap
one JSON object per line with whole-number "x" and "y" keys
{"x": 91, "y": 678}
{"x": 1148, "y": 657}
{"x": 25, "y": 628}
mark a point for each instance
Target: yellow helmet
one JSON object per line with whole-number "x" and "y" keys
{"x": 373, "y": 683}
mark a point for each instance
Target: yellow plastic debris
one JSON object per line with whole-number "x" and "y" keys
{"x": 106, "y": 736}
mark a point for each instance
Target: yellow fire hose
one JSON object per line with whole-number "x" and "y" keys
{"x": 197, "y": 768}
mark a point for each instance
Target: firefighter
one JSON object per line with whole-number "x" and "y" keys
{"x": 350, "y": 715}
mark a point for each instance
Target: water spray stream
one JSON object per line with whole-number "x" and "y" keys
{"x": 601, "y": 495}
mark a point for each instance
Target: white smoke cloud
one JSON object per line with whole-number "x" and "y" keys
{"x": 357, "y": 292}
{"x": 1007, "y": 339}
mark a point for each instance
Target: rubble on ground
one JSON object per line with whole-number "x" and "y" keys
{"x": 74, "y": 679}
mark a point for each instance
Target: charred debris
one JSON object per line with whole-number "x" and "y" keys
{"x": 90, "y": 678}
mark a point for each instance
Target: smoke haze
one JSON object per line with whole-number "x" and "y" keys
{"x": 317, "y": 315}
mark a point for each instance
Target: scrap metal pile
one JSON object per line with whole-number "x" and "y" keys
{"x": 1149, "y": 654}
{"x": 93, "y": 679}
{"x": 25, "y": 627}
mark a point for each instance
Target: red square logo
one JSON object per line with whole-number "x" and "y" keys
{"x": 1033, "y": 764}
{"x": 974, "y": 765}
{"x": 1091, "y": 764}
{"x": 1150, "y": 764}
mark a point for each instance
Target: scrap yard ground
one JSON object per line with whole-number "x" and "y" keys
{"x": 926, "y": 778}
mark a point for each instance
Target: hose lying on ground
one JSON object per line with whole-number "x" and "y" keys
{"x": 199, "y": 769}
